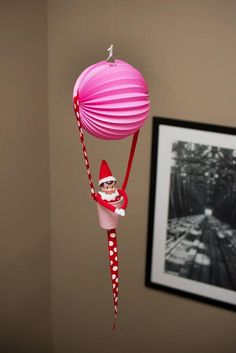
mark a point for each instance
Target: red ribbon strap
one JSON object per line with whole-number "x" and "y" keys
{"x": 131, "y": 157}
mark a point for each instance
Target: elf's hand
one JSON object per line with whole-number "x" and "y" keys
{"x": 120, "y": 211}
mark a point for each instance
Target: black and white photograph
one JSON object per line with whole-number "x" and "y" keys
{"x": 192, "y": 214}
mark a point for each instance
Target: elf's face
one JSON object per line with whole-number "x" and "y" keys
{"x": 109, "y": 187}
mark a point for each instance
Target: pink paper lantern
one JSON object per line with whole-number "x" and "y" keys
{"x": 113, "y": 100}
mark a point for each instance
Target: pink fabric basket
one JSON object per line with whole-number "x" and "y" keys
{"x": 108, "y": 219}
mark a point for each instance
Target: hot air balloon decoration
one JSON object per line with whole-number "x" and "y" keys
{"x": 111, "y": 102}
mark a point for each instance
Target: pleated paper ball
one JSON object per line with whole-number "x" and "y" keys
{"x": 112, "y": 100}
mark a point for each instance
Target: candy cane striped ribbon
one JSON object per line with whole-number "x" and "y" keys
{"x": 81, "y": 135}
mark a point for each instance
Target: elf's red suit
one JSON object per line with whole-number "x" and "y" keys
{"x": 109, "y": 193}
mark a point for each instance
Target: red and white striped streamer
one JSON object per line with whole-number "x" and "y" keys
{"x": 81, "y": 135}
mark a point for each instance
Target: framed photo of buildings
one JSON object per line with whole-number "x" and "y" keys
{"x": 191, "y": 248}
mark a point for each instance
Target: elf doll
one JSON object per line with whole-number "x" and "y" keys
{"x": 110, "y": 197}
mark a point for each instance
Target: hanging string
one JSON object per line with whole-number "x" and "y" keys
{"x": 111, "y": 16}
{"x": 111, "y": 57}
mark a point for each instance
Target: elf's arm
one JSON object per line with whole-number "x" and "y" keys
{"x": 104, "y": 203}
{"x": 125, "y": 197}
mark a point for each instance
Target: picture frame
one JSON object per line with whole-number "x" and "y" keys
{"x": 191, "y": 244}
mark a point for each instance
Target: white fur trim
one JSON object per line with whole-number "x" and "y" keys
{"x": 108, "y": 197}
{"x": 109, "y": 178}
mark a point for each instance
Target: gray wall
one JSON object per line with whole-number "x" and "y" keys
{"x": 24, "y": 179}
{"x": 186, "y": 51}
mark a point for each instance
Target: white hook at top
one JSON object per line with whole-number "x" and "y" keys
{"x": 110, "y": 58}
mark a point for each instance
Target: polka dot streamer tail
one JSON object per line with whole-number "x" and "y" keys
{"x": 113, "y": 258}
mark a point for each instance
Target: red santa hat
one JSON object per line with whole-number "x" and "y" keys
{"x": 105, "y": 173}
